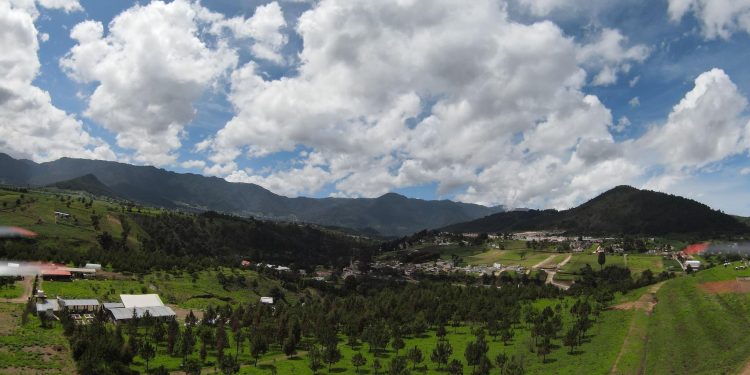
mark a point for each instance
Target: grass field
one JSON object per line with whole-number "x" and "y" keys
{"x": 526, "y": 258}
{"x": 30, "y": 349}
{"x": 14, "y": 290}
{"x": 594, "y": 357}
{"x": 699, "y": 333}
{"x": 636, "y": 262}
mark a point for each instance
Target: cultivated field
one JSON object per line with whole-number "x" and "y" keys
{"x": 30, "y": 349}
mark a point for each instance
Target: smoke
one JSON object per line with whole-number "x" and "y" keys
{"x": 16, "y": 268}
{"x": 741, "y": 248}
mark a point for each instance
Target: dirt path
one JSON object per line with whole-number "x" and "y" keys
{"x": 646, "y": 303}
{"x": 551, "y": 274}
{"x": 27, "y": 283}
{"x": 545, "y": 261}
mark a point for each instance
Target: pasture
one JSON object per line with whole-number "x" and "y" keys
{"x": 28, "y": 348}
{"x": 698, "y": 332}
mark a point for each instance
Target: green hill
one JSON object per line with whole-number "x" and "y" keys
{"x": 621, "y": 210}
{"x": 88, "y": 183}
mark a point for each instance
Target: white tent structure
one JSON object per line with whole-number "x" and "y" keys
{"x": 141, "y": 300}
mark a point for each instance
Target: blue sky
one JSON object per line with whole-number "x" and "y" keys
{"x": 522, "y": 103}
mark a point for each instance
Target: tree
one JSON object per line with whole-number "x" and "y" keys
{"x": 689, "y": 269}
{"x": 376, "y": 366}
{"x": 415, "y": 356}
{"x": 229, "y": 365}
{"x": 289, "y": 347}
{"x": 440, "y": 332}
{"x": 358, "y": 360}
{"x": 398, "y": 366}
{"x": 456, "y": 367}
{"x": 331, "y": 355}
{"x": 258, "y": 347}
{"x": 147, "y": 353}
{"x": 506, "y": 334}
{"x": 193, "y": 367}
{"x": 187, "y": 344}
{"x": 314, "y": 360}
{"x": 601, "y": 259}
{"x": 571, "y": 338}
{"x": 441, "y": 353}
{"x": 397, "y": 343}
{"x": 543, "y": 348}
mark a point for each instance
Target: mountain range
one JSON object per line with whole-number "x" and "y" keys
{"x": 621, "y": 210}
{"x": 389, "y": 215}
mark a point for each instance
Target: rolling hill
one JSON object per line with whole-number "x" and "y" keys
{"x": 621, "y": 210}
{"x": 389, "y": 215}
{"x": 88, "y": 183}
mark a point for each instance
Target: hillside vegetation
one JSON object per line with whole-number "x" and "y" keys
{"x": 622, "y": 210}
{"x": 389, "y": 215}
{"x": 138, "y": 239}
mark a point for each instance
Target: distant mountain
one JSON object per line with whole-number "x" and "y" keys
{"x": 88, "y": 183}
{"x": 622, "y": 210}
{"x": 389, "y": 215}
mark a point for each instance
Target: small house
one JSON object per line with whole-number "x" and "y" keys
{"x": 694, "y": 264}
{"x": 268, "y": 300}
{"x": 93, "y": 266}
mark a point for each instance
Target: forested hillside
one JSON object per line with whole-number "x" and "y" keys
{"x": 622, "y": 210}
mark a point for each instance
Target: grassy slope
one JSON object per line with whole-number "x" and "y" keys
{"x": 693, "y": 332}
{"x": 36, "y": 213}
{"x": 27, "y": 348}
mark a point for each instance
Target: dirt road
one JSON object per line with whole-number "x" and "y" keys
{"x": 646, "y": 303}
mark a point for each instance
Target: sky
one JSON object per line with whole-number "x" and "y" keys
{"x": 522, "y": 103}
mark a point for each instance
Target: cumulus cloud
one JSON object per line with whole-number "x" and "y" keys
{"x": 610, "y": 55}
{"x": 148, "y": 69}
{"x": 404, "y": 106}
{"x": 706, "y": 126}
{"x": 263, "y": 28}
{"x": 31, "y": 126}
{"x": 718, "y": 18}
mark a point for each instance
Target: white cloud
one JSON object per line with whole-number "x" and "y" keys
{"x": 65, "y": 5}
{"x": 148, "y": 69}
{"x": 609, "y": 54}
{"x": 745, "y": 171}
{"x": 634, "y": 81}
{"x": 622, "y": 124}
{"x": 404, "y": 106}
{"x": 264, "y": 28}
{"x": 705, "y": 127}
{"x": 718, "y": 18}
{"x": 31, "y": 126}
{"x": 193, "y": 164}
{"x": 634, "y": 102}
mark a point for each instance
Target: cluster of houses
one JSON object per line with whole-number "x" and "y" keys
{"x": 82, "y": 310}
{"x": 444, "y": 266}
{"x": 61, "y": 272}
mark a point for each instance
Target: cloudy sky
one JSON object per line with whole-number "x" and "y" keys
{"x": 526, "y": 103}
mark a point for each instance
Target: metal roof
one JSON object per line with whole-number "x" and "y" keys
{"x": 78, "y": 302}
{"x": 50, "y": 304}
{"x": 154, "y": 311}
{"x": 113, "y": 305}
{"x": 79, "y": 270}
{"x": 141, "y": 300}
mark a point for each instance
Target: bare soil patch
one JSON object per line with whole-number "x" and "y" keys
{"x": 727, "y": 286}
{"x": 647, "y": 302}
